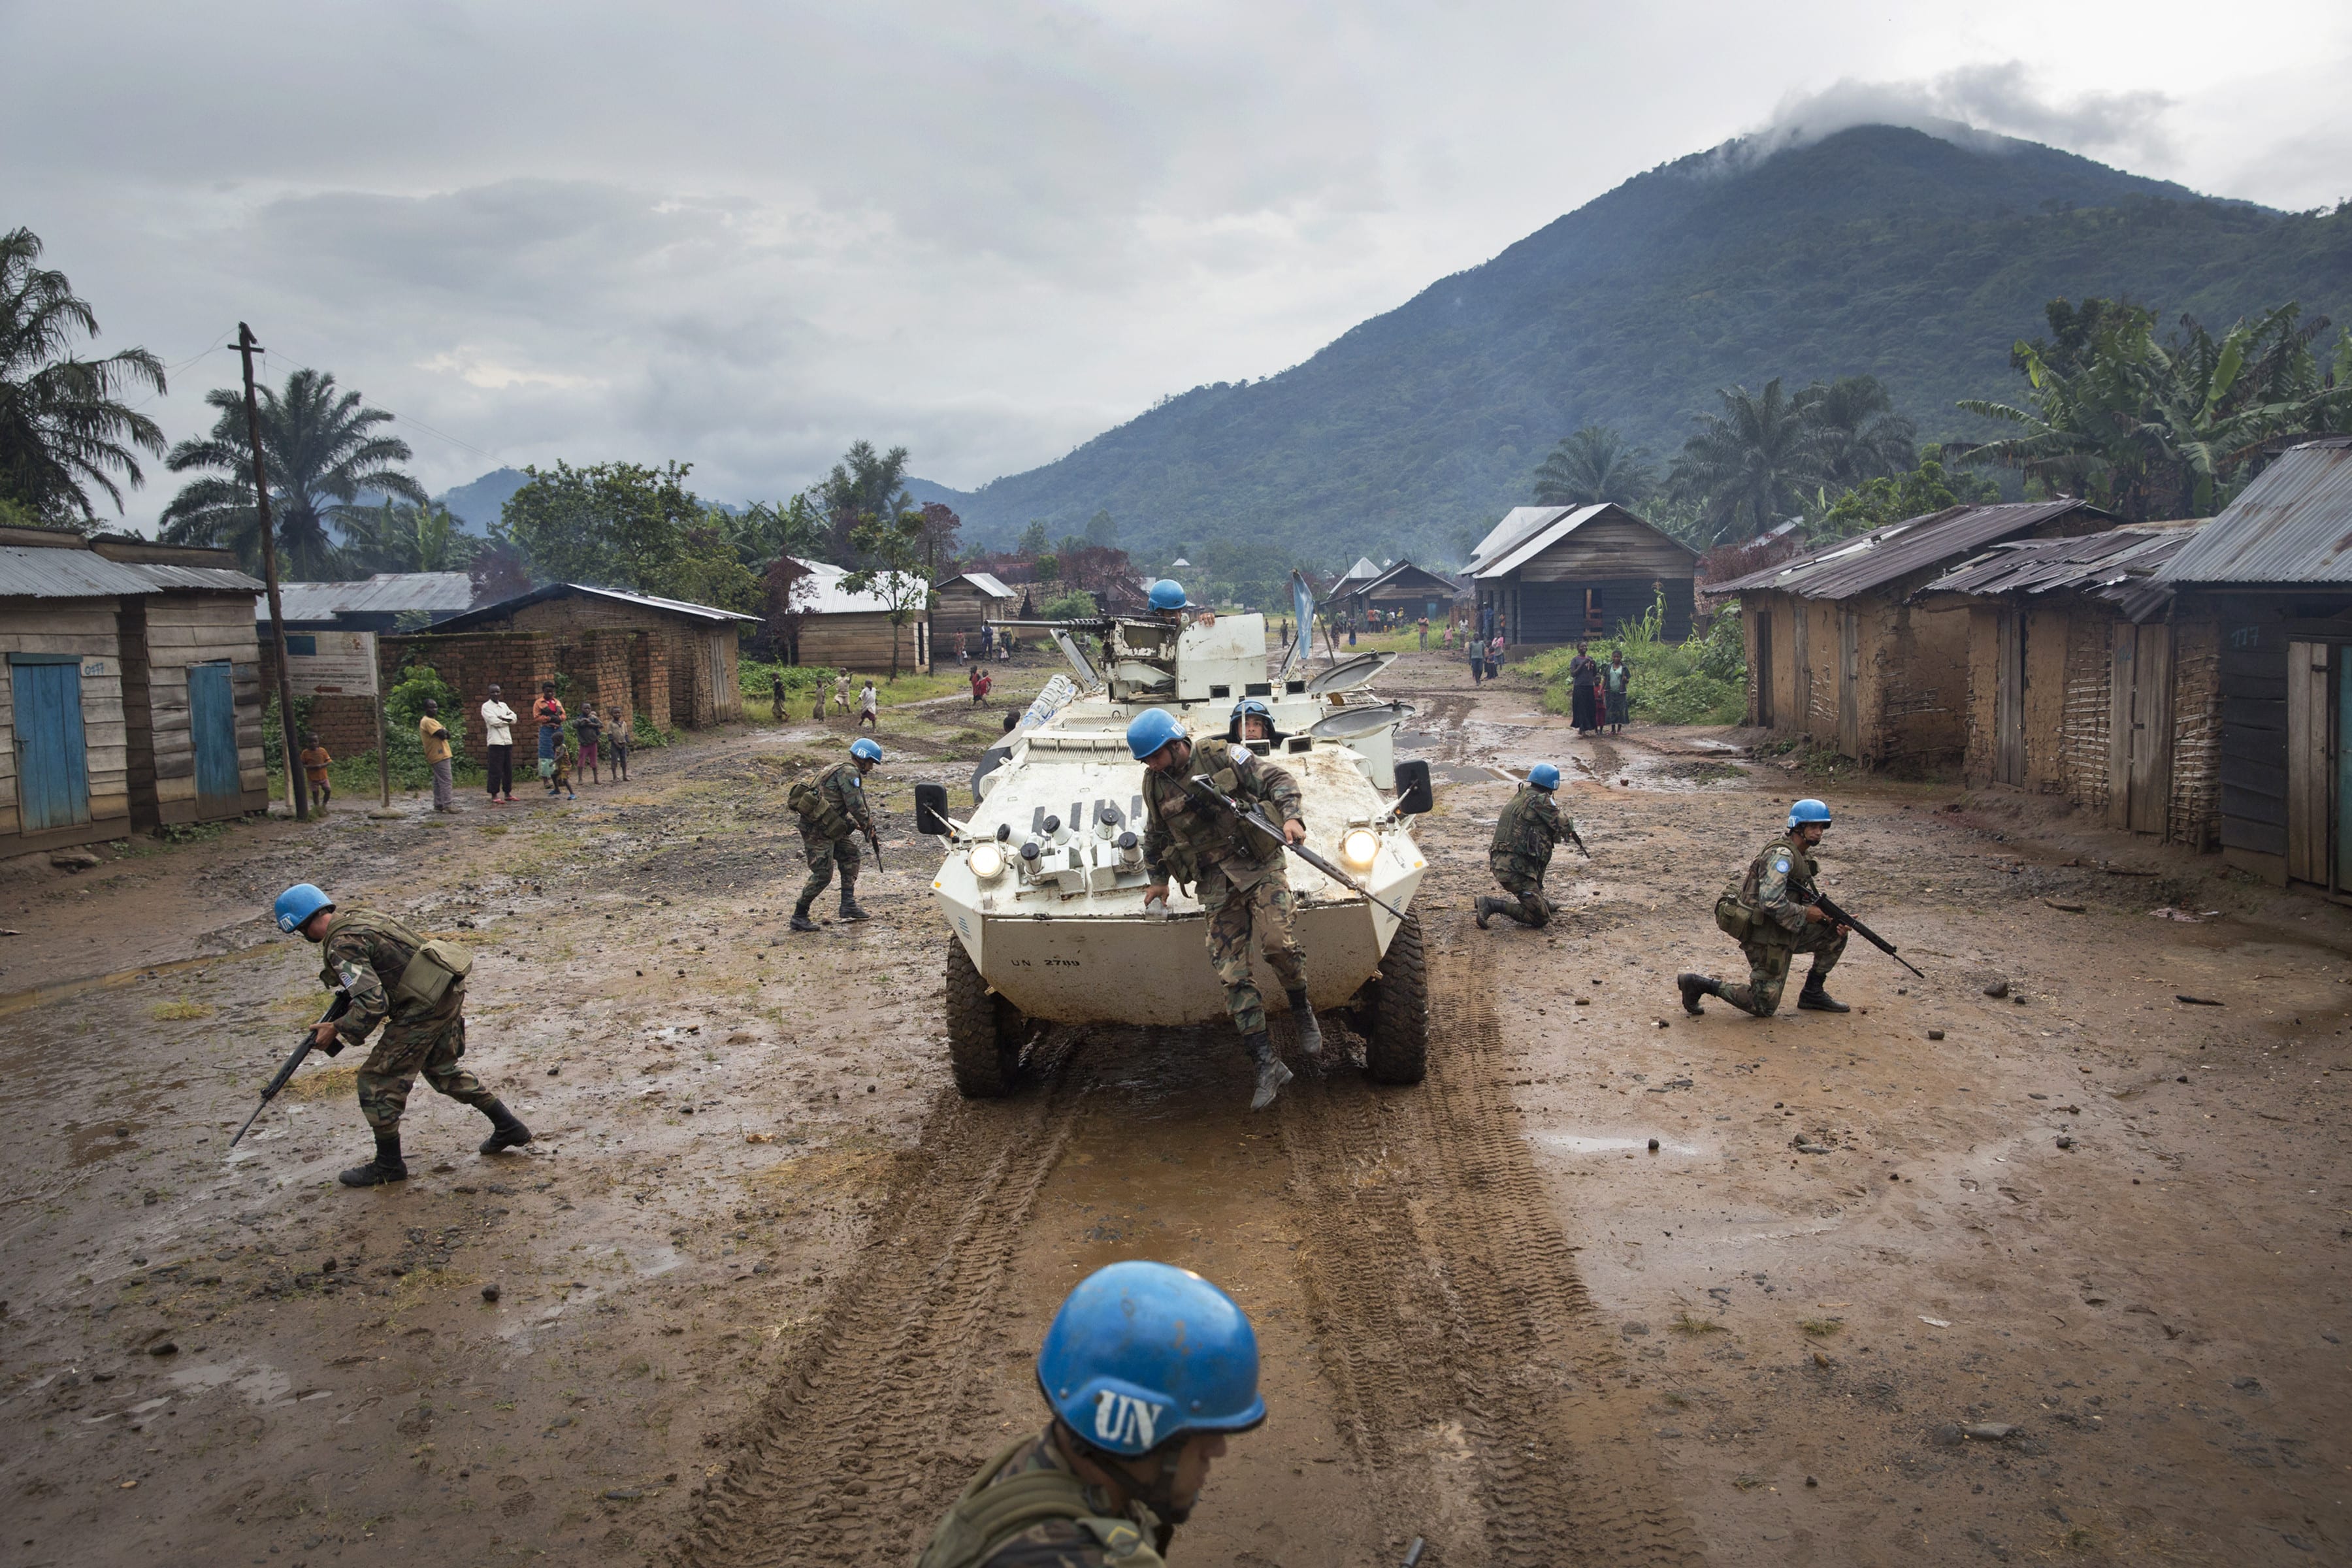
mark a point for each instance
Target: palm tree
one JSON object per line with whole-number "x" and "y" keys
{"x": 321, "y": 451}
{"x": 1594, "y": 466}
{"x": 64, "y": 427}
{"x": 395, "y": 538}
{"x": 1751, "y": 464}
{"x": 1858, "y": 434}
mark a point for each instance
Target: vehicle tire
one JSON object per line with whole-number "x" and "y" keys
{"x": 1396, "y": 1047}
{"x": 984, "y": 1031}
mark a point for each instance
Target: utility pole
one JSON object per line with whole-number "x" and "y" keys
{"x": 246, "y": 347}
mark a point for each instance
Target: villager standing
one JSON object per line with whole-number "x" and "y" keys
{"x": 980, "y": 682}
{"x": 775, "y": 697}
{"x": 315, "y": 762}
{"x": 416, "y": 989}
{"x": 616, "y": 741}
{"x": 498, "y": 744}
{"x": 833, "y": 813}
{"x": 549, "y": 711}
{"x": 869, "y": 705}
{"x": 841, "y": 692}
{"x": 1583, "y": 676}
{"x": 1146, "y": 1371}
{"x": 1526, "y": 834}
{"x": 1617, "y": 688}
{"x": 435, "y": 736}
{"x": 1771, "y": 911}
{"x": 1237, "y": 871}
{"x": 1477, "y": 651}
{"x": 1424, "y": 634}
{"x": 591, "y": 730}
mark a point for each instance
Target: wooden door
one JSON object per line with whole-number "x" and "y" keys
{"x": 2310, "y": 777}
{"x": 2140, "y": 727}
{"x": 212, "y": 734}
{"x": 52, "y": 758}
{"x": 1764, "y": 668}
{"x": 1849, "y": 682}
{"x": 2009, "y": 698}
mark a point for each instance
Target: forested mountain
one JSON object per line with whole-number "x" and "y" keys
{"x": 1881, "y": 251}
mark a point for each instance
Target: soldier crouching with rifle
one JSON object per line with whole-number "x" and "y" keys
{"x": 416, "y": 989}
{"x": 1774, "y": 912}
{"x": 1190, "y": 834}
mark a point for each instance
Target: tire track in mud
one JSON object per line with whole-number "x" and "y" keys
{"x": 862, "y": 1441}
{"x": 1444, "y": 1292}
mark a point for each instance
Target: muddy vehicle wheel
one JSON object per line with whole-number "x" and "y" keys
{"x": 984, "y": 1031}
{"x": 1396, "y": 1011}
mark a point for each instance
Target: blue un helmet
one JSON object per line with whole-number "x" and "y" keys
{"x": 1544, "y": 776}
{"x": 1151, "y": 730}
{"x": 1808, "y": 810}
{"x": 298, "y": 904}
{"x": 866, "y": 749}
{"x": 1168, "y": 594}
{"x": 1141, "y": 1353}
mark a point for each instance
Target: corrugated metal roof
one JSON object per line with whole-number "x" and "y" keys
{"x": 1874, "y": 558}
{"x": 2293, "y": 524}
{"x": 387, "y": 592}
{"x": 824, "y": 596}
{"x": 2117, "y": 566}
{"x": 1517, "y": 524}
{"x": 1551, "y": 533}
{"x": 168, "y": 578}
{"x": 1399, "y": 569}
{"x": 986, "y": 581}
{"x": 31, "y": 573}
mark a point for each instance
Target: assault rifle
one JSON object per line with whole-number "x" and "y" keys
{"x": 335, "y": 1009}
{"x": 1256, "y": 820}
{"x": 1838, "y": 916}
{"x": 1575, "y": 839}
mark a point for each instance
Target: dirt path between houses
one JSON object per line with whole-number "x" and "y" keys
{"x": 768, "y": 1289}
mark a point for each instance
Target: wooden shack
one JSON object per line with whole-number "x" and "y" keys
{"x": 1838, "y": 652}
{"x": 1404, "y": 589}
{"x": 840, "y": 629}
{"x": 698, "y": 644}
{"x": 2083, "y": 681}
{"x": 964, "y": 603}
{"x": 134, "y": 693}
{"x": 2274, "y": 570}
{"x": 1557, "y": 575}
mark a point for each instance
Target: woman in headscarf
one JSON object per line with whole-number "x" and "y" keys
{"x": 1583, "y": 680}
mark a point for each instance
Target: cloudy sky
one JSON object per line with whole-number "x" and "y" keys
{"x": 742, "y": 235}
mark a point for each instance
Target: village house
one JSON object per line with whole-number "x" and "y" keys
{"x": 2085, "y": 681}
{"x": 1552, "y": 574}
{"x": 1837, "y": 651}
{"x": 377, "y": 603}
{"x": 134, "y": 697}
{"x": 2274, "y": 571}
{"x": 843, "y": 629}
{"x": 963, "y": 603}
{"x": 1404, "y": 589}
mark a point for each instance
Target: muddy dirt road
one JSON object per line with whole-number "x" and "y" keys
{"x": 767, "y": 1291}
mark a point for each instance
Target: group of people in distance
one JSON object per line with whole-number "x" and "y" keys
{"x": 1598, "y": 694}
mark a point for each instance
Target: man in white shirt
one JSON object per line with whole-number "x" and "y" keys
{"x": 866, "y": 704}
{"x": 497, "y": 740}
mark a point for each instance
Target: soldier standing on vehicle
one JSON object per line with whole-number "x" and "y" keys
{"x": 1771, "y": 911}
{"x": 1252, "y": 720}
{"x": 833, "y": 813}
{"x": 1527, "y": 833}
{"x": 416, "y": 989}
{"x": 1148, "y": 1369}
{"x": 1237, "y": 871}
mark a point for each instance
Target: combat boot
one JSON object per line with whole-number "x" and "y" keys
{"x": 1814, "y": 998}
{"x": 800, "y": 920}
{"x": 386, "y": 1167}
{"x": 506, "y": 1132}
{"x": 1695, "y": 986}
{"x": 849, "y": 910}
{"x": 1271, "y": 1074}
{"x": 1487, "y": 906}
{"x": 1310, "y": 1033}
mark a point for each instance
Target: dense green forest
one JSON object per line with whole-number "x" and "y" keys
{"x": 1876, "y": 251}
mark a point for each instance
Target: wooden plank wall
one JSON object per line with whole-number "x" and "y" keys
{"x": 2193, "y": 811}
{"x": 183, "y": 629}
{"x": 2254, "y": 741}
{"x": 858, "y": 642}
{"x": 1980, "y": 759}
{"x": 88, "y": 629}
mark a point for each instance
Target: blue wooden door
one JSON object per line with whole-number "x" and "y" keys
{"x": 212, "y": 729}
{"x": 52, "y": 762}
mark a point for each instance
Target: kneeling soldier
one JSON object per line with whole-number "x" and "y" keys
{"x": 393, "y": 977}
{"x": 831, "y": 819}
{"x": 1236, "y": 869}
{"x": 1147, "y": 1369}
{"x": 1527, "y": 833}
{"x": 1771, "y": 913}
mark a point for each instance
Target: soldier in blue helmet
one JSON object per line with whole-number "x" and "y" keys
{"x": 1771, "y": 913}
{"x": 1170, "y": 604}
{"x": 1147, "y": 1369}
{"x": 832, "y": 812}
{"x": 1526, "y": 834}
{"x": 1252, "y": 719}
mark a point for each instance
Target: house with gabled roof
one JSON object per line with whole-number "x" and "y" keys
{"x": 1552, "y": 574}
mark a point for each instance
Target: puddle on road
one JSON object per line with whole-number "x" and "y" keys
{"x": 1415, "y": 739}
{"x": 1463, "y": 773}
{"x": 1594, "y": 1143}
{"x": 258, "y": 1383}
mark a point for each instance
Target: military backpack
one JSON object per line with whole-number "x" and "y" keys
{"x": 985, "y": 1517}
{"x": 435, "y": 966}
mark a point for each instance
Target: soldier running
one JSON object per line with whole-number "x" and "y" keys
{"x": 1237, "y": 870}
{"x": 1527, "y": 833}
{"x": 1147, "y": 1369}
{"x": 1770, "y": 912}
{"x": 833, "y": 813}
{"x": 381, "y": 965}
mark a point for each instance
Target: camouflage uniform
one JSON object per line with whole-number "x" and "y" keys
{"x": 1769, "y": 901}
{"x": 1527, "y": 833}
{"x": 1080, "y": 1531}
{"x": 1237, "y": 870}
{"x": 829, "y": 834}
{"x": 363, "y": 955}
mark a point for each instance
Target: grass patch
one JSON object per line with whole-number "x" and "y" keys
{"x": 178, "y": 1011}
{"x": 1691, "y": 1324}
{"x": 335, "y": 1082}
{"x": 1821, "y": 1327}
{"x": 1703, "y": 680}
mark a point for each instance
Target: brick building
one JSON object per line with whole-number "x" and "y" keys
{"x": 673, "y": 660}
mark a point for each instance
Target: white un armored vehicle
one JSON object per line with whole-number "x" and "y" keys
{"x": 1043, "y": 888}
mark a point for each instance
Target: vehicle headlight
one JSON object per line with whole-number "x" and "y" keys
{"x": 1360, "y": 847}
{"x": 986, "y": 860}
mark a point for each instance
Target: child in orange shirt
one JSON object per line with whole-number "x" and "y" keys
{"x": 315, "y": 762}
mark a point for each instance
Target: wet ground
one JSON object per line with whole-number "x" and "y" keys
{"x": 2064, "y": 1283}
